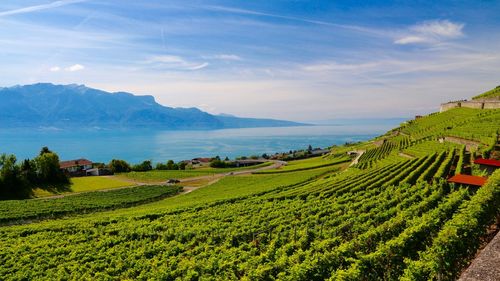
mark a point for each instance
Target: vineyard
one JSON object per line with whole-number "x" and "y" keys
{"x": 19, "y": 210}
{"x": 388, "y": 217}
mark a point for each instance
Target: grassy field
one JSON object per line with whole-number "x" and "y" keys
{"x": 394, "y": 219}
{"x": 307, "y": 164}
{"x": 163, "y": 175}
{"x": 85, "y": 184}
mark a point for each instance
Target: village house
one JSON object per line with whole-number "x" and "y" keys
{"x": 319, "y": 151}
{"x": 76, "y": 167}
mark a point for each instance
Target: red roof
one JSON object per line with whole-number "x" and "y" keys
{"x": 488, "y": 162}
{"x": 74, "y": 163}
{"x": 469, "y": 180}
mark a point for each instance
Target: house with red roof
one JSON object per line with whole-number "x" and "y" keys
{"x": 76, "y": 167}
{"x": 489, "y": 165}
{"x": 468, "y": 180}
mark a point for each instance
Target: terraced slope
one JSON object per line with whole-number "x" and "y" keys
{"x": 494, "y": 93}
{"x": 393, "y": 218}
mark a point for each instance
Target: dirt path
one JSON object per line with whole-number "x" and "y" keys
{"x": 211, "y": 179}
{"x": 356, "y": 160}
{"x": 402, "y": 154}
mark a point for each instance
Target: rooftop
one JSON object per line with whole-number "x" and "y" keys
{"x": 468, "y": 180}
{"x": 488, "y": 162}
{"x": 74, "y": 163}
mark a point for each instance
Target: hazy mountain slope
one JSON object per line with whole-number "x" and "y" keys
{"x": 73, "y": 105}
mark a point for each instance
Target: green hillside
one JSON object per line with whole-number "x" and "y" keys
{"x": 390, "y": 216}
{"x": 494, "y": 93}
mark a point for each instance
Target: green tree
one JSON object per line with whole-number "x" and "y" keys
{"x": 45, "y": 150}
{"x": 143, "y": 167}
{"x": 182, "y": 165}
{"x": 119, "y": 166}
{"x": 48, "y": 170}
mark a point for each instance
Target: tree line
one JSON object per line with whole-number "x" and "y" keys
{"x": 18, "y": 179}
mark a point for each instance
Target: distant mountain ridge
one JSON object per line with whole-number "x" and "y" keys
{"x": 78, "y": 106}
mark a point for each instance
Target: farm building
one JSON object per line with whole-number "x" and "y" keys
{"x": 76, "y": 167}
{"x": 98, "y": 172}
{"x": 489, "y": 165}
{"x": 468, "y": 180}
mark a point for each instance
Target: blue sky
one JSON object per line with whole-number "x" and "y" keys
{"x": 296, "y": 60}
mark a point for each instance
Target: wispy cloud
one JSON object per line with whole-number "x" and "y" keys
{"x": 35, "y": 8}
{"x": 175, "y": 63}
{"x": 434, "y": 31}
{"x": 75, "y": 67}
{"x": 334, "y": 66}
{"x": 297, "y": 19}
{"x": 226, "y": 57}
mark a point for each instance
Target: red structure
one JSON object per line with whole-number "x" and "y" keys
{"x": 487, "y": 162}
{"x": 468, "y": 180}
{"x": 488, "y": 165}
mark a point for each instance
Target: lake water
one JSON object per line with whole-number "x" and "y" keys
{"x": 135, "y": 146}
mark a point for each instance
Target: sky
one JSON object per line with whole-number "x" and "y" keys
{"x": 300, "y": 60}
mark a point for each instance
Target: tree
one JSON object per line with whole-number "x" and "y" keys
{"x": 143, "y": 167}
{"x": 119, "y": 166}
{"x": 161, "y": 166}
{"x": 11, "y": 184}
{"x": 182, "y": 165}
{"x": 45, "y": 150}
{"x": 171, "y": 165}
{"x": 28, "y": 171}
{"x": 48, "y": 170}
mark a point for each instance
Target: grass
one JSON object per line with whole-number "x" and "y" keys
{"x": 494, "y": 93}
{"x": 307, "y": 164}
{"x": 163, "y": 175}
{"x": 85, "y": 184}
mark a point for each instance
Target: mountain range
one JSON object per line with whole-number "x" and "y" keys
{"x": 77, "y": 106}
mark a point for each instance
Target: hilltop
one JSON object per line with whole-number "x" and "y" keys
{"x": 77, "y": 106}
{"x": 391, "y": 215}
{"x": 491, "y": 94}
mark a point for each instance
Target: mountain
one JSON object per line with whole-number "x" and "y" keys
{"x": 78, "y": 106}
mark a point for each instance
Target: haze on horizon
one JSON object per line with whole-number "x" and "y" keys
{"x": 294, "y": 60}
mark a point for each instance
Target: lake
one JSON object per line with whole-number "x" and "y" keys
{"x": 135, "y": 146}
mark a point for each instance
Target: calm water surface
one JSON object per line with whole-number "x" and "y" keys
{"x": 135, "y": 146}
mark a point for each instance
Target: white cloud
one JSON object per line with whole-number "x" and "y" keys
{"x": 176, "y": 63}
{"x": 410, "y": 40}
{"x": 75, "y": 67}
{"x": 166, "y": 59}
{"x": 55, "y": 69}
{"x": 334, "y": 66}
{"x": 432, "y": 32}
{"x": 196, "y": 67}
{"x": 35, "y": 8}
{"x": 227, "y": 57}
